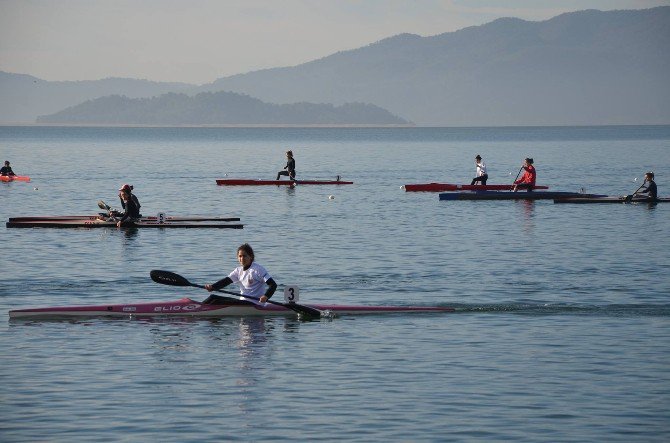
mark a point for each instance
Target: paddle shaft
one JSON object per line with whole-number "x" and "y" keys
{"x": 517, "y": 176}
{"x": 630, "y": 197}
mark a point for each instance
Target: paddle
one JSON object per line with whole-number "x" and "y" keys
{"x": 172, "y": 279}
{"x": 105, "y": 206}
{"x": 629, "y": 198}
{"x": 513, "y": 186}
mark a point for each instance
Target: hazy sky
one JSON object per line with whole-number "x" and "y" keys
{"x": 198, "y": 41}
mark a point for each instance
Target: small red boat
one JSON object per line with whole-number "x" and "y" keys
{"x": 14, "y": 178}
{"x": 446, "y": 187}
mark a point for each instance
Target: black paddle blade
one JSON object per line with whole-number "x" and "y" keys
{"x": 103, "y": 205}
{"x": 305, "y": 310}
{"x": 168, "y": 278}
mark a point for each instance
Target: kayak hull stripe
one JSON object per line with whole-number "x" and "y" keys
{"x": 442, "y": 187}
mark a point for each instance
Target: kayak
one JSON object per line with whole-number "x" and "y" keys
{"x": 103, "y": 216}
{"x": 252, "y": 182}
{"x": 441, "y": 187}
{"x": 12, "y": 178}
{"x": 65, "y": 223}
{"x": 610, "y": 199}
{"x": 187, "y": 307}
{"x": 508, "y": 195}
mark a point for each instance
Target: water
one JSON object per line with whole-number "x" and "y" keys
{"x": 562, "y": 324}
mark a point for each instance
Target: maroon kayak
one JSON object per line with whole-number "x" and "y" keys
{"x": 253, "y": 182}
{"x": 187, "y": 307}
{"x": 446, "y": 187}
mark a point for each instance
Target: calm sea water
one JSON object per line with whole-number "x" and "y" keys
{"x": 562, "y": 329}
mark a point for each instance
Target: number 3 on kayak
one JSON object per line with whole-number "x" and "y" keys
{"x": 291, "y": 294}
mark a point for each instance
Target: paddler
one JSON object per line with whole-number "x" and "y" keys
{"x": 481, "y": 175}
{"x": 251, "y": 277}
{"x": 130, "y": 205}
{"x": 289, "y": 169}
{"x": 527, "y": 180}
{"x": 129, "y": 189}
{"x": 650, "y": 188}
{"x": 6, "y": 170}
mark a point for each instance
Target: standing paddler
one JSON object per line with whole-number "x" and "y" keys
{"x": 481, "y": 175}
{"x": 289, "y": 169}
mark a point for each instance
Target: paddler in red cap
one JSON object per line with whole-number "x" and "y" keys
{"x": 130, "y": 204}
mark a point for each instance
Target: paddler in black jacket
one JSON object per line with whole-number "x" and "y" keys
{"x": 130, "y": 205}
{"x": 650, "y": 188}
{"x": 6, "y": 170}
{"x": 129, "y": 189}
{"x": 289, "y": 168}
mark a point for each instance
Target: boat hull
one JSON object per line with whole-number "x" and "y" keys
{"x": 14, "y": 178}
{"x": 187, "y": 307}
{"x": 252, "y": 182}
{"x": 508, "y": 195}
{"x": 442, "y": 187}
{"x": 73, "y": 224}
{"x": 610, "y": 199}
{"x": 103, "y": 216}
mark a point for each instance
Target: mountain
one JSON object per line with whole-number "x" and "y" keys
{"x": 581, "y": 68}
{"x": 220, "y": 108}
{"x": 24, "y": 97}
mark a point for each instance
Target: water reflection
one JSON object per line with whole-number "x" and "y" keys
{"x": 130, "y": 233}
{"x": 527, "y": 211}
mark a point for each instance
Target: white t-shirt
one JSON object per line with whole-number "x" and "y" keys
{"x": 481, "y": 169}
{"x": 252, "y": 281}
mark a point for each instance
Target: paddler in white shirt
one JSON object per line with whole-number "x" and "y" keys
{"x": 481, "y": 175}
{"x": 251, "y": 277}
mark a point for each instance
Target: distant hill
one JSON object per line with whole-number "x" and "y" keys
{"x": 24, "y": 97}
{"x": 581, "y": 68}
{"x": 220, "y": 108}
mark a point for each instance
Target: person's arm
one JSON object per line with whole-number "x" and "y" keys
{"x": 126, "y": 216}
{"x": 219, "y": 284}
{"x": 272, "y": 287}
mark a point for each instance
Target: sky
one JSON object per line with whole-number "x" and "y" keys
{"x": 198, "y": 41}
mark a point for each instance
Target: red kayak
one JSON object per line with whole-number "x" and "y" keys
{"x": 446, "y": 187}
{"x": 252, "y": 182}
{"x": 14, "y": 178}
